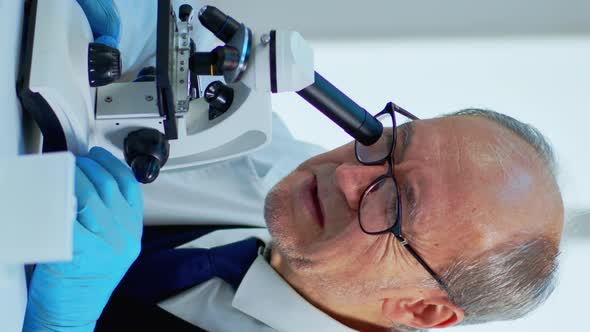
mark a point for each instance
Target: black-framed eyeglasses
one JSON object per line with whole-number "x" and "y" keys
{"x": 380, "y": 208}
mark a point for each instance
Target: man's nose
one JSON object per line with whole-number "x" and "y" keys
{"x": 353, "y": 179}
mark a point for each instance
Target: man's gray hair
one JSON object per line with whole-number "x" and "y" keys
{"x": 505, "y": 283}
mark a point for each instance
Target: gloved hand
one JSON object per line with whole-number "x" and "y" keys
{"x": 104, "y": 20}
{"x": 70, "y": 296}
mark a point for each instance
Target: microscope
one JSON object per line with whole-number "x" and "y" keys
{"x": 192, "y": 108}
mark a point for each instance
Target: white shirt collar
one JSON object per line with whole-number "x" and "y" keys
{"x": 266, "y": 296}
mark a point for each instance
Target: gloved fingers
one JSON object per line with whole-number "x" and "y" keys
{"x": 103, "y": 182}
{"x": 122, "y": 174}
{"x": 82, "y": 237}
{"x": 86, "y": 195}
{"x": 112, "y": 26}
{"x": 103, "y": 17}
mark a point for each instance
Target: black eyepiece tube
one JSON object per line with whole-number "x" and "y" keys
{"x": 347, "y": 114}
{"x": 222, "y": 26}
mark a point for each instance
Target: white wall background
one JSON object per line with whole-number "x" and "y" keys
{"x": 542, "y": 81}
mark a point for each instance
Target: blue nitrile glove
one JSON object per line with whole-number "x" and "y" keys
{"x": 104, "y": 20}
{"x": 70, "y": 296}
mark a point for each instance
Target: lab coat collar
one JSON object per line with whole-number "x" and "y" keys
{"x": 266, "y": 296}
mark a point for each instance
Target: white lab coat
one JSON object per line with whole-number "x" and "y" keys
{"x": 224, "y": 193}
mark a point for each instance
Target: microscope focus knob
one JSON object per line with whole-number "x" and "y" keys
{"x": 219, "y": 96}
{"x": 104, "y": 64}
{"x": 145, "y": 168}
{"x": 146, "y": 151}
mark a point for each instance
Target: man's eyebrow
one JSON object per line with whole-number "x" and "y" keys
{"x": 406, "y": 134}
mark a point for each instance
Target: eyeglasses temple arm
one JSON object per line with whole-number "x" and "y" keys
{"x": 409, "y": 248}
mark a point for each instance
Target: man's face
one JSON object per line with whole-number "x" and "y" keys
{"x": 466, "y": 185}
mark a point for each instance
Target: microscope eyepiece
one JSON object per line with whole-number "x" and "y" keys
{"x": 347, "y": 114}
{"x": 222, "y": 26}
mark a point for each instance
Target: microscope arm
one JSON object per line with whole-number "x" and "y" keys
{"x": 288, "y": 62}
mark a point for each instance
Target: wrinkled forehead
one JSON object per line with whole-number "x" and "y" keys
{"x": 467, "y": 143}
{"x": 486, "y": 179}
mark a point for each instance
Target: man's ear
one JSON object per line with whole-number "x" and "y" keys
{"x": 433, "y": 312}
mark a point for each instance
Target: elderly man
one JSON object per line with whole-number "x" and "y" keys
{"x": 475, "y": 198}
{"x": 460, "y": 223}
{"x": 445, "y": 221}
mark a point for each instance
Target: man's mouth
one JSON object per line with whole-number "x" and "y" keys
{"x": 312, "y": 201}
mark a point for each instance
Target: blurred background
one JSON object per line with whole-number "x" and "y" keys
{"x": 526, "y": 58}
